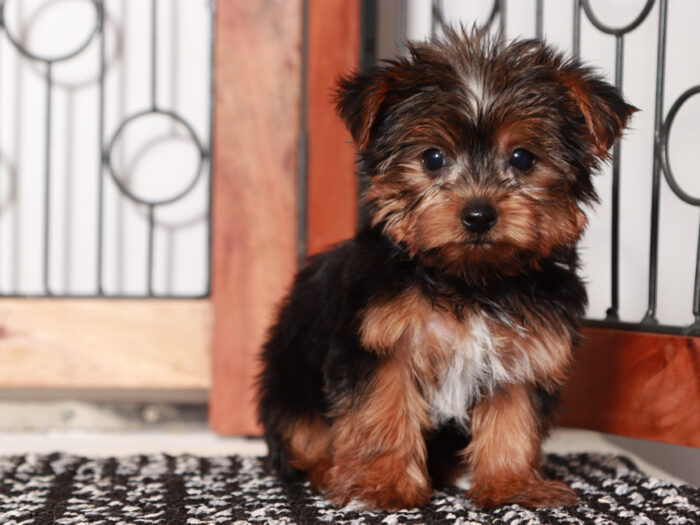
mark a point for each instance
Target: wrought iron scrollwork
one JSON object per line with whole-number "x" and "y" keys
{"x": 97, "y": 35}
{"x": 661, "y": 162}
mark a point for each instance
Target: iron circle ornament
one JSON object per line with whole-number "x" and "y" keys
{"x": 617, "y": 31}
{"x": 663, "y": 142}
{"x": 437, "y": 10}
{"x": 96, "y": 29}
{"x": 193, "y": 136}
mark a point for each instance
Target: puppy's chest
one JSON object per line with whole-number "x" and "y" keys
{"x": 456, "y": 361}
{"x": 470, "y": 359}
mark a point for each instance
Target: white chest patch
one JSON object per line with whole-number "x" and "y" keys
{"x": 475, "y": 368}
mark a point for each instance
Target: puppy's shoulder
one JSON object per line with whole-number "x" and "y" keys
{"x": 368, "y": 262}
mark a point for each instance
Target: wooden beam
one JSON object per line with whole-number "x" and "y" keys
{"x": 635, "y": 384}
{"x": 333, "y": 50}
{"x": 104, "y": 344}
{"x": 256, "y": 122}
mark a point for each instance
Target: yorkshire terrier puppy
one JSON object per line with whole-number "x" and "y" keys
{"x": 435, "y": 342}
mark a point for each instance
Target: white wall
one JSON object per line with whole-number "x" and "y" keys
{"x": 154, "y": 156}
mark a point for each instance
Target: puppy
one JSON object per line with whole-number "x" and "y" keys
{"x": 435, "y": 342}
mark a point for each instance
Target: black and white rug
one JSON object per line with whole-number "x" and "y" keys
{"x": 171, "y": 490}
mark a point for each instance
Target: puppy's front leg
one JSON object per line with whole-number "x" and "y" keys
{"x": 504, "y": 454}
{"x": 379, "y": 455}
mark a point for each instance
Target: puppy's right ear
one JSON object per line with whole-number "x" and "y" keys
{"x": 601, "y": 105}
{"x": 358, "y": 98}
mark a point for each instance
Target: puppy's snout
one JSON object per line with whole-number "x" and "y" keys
{"x": 478, "y": 216}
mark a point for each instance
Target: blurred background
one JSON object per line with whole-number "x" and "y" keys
{"x": 166, "y": 164}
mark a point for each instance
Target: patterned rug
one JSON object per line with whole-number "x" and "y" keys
{"x": 162, "y": 489}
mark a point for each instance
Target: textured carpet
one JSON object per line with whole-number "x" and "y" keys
{"x": 162, "y": 489}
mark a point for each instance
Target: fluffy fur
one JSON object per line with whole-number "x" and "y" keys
{"x": 424, "y": 348}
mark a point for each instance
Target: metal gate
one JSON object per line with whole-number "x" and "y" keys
{"x": 104, "y": 148}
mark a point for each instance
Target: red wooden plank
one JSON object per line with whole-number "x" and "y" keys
{"x": 635, "y": 384}
{"x": 256, "y": 124}
{"x": 333, "y": 49}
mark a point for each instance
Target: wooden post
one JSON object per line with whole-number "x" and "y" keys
{"x": 333, "y": 50}
{"x": 256, "y": 124}
{"x": 636, "y": 384}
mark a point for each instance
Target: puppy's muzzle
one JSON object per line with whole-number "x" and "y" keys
{"x": 478, "y": 216}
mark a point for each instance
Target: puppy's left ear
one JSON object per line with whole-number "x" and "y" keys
{"x": 602, "y": 106}
{"x": 358, "y": 98}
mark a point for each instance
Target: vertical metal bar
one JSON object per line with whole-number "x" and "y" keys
{"x": 47, "y": 177}
{"x": 368, "y": 58}
{"x": 577, "y": 30}
{"x": 435, "y": 10}
{"x": 120, "y": 242}
{"x": 151, "y": 229}
{"x": 170, "y": 248}
{"x": 612, "y": 312}
{"x": 368, "y": 33}
{"x": 100, "y": 169}
{"x": 68, "y": 184}
{"x": 696, "y": 289}
{"x": 1, "y": 148}
{"x": 401, "y": 26}
{"x": 302, "y": 167}
{"x": 17, "y": 131}
{"x": 539, "y": 19}
{"x": 212, "y": 37}
{"x": 154, "y": 53}
{"x": 502, "y": 7}
{"x": 650, "y": 316}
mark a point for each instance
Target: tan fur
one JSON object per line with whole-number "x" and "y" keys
{"x": 308, "y": 443}
{"x": 546, "y": 350}
{"x": 384, "y": 324}
{"x": 374, "y": 451}
{"x": 379, "y": 454}
{"x": 413, "y": 330}
{"x": 580, "y": 93}
{"x": 429, "y": 334}
{"x": 504, "y": 434}
{"x": 504, "y": 454}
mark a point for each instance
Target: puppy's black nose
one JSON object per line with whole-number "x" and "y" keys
{"x": 478, "y": 216}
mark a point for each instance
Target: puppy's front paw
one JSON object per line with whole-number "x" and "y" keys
{"x": 397, "y": 497}
{"x": 378, "y": 488}
{"x": 531, "y": 493}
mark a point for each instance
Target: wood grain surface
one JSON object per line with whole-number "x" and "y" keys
{"x": 97, "y": 343}
{"x": 333, "y": 50}
{"x": 256, "y": 126}
{"x": 635, "y": 384}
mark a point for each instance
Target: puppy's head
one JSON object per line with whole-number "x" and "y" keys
{"x": 480, "y": 154}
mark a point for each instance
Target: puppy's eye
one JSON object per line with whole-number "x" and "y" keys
{"x": 433, "y": 159}
{"x": 522, "y": 159}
